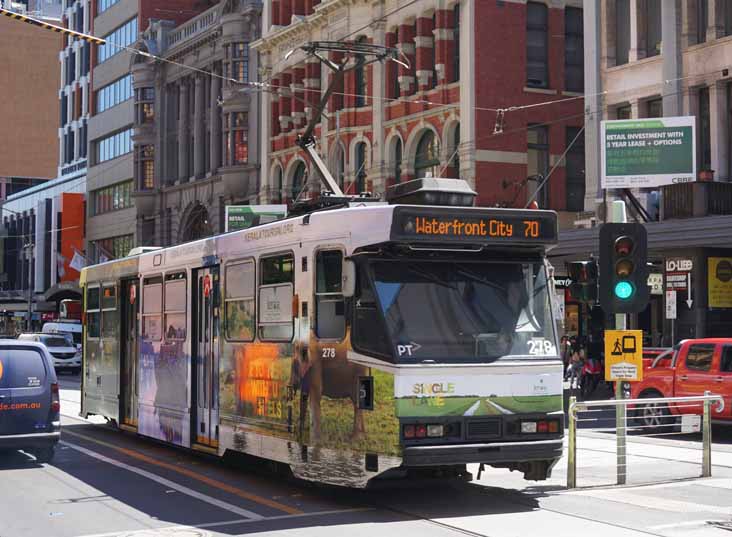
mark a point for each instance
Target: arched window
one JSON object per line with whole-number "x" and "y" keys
{"x": 197, "y": 225}
{"x": 340, "y": 165}
{"x": 360, "y": 167}
{"x": 456, "y": 41}
{"x": 427, "y": 160}
{"x": 398, "y": 161}
{"x": 298, "y": 180}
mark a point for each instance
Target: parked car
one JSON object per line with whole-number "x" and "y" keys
{"x": 65, "y": 326}
{"x": 691, "y": 367}
{"x": 29, "y": 399}
{"x": 65, "y": 354}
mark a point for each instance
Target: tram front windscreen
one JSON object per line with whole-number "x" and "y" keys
{"x": 469, "y": 312}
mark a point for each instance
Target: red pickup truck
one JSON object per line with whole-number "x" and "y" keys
{"x": 691, "y": 367}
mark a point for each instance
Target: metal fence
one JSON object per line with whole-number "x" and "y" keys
{"x": 650, "y": 418}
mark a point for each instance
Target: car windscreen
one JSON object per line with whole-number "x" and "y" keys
{"x": 465, "y": 312}
{"x": 58, "y": 340}
{"x": 21, "y": 368}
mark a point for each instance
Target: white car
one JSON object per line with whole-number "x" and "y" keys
{"x": 65, "y": 326}
{"x": 61, "y": 346}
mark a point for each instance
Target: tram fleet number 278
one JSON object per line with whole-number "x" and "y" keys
{"x": 347, "y": 343}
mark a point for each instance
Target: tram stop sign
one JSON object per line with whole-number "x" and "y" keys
{"x": 623, "y": 355}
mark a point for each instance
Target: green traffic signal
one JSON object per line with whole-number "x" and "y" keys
{"x": 624, "y": 290}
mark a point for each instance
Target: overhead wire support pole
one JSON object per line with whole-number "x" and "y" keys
{"x": 350, "y": 49}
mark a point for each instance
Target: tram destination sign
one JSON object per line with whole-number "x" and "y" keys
{"x": 437, "y": 224}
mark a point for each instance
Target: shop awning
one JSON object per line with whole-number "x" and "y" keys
{"x": 707, "y": 232}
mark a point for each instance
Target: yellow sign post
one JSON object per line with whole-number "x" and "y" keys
{"x": 720, "y": 282}
{"x": 623, "y": 355}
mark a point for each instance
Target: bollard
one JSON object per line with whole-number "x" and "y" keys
{"x": 620, "y": 434}
{"x": 572, "y": 447}
{"x": 707, "y": 438}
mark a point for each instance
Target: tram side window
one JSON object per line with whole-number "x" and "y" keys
{"x": 152, "y": 302}
{"x": 175, "y": 306}
{"x": 92, "y": 312}
{"x": 369, "y": 334}
{"x": 240, "y": 285}
{"x": 110, "y": 319}
{"x": 330, "y": 318}
{"x": 276, "y": 288}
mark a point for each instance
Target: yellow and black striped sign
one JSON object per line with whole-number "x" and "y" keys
{"x": 53, "y": 27}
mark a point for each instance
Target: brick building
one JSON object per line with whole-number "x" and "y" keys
{"x": 28, "y": 81}
{"x": 389, "y": 123}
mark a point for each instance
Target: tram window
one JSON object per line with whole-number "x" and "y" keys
{"x": 330, "y": 318}
{"x": 110, "y": 319}
{"x": 278, "y": 269}
{"x": 240, "y": 284}
{"x": 175, "y": 306}
{"x": 370, "y": 335}
{"x": 92, "y": 312}
{"x": 152, "y": 302}
{"x": 109, "y": 297}
{"x": 275, "y": 298}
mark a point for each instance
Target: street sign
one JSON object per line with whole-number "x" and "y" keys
{"x": 649, "y": 152}
{"x": 623, "y": 355}
{"x": 671, "y": 304}
{"x": 246, "y": 216}
{"x": 678, "y": 274}
{"x": 719, "y": 282}
{"x": 655, "y": 282}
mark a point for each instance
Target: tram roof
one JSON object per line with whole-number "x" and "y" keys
{"x": 360, "y": 224}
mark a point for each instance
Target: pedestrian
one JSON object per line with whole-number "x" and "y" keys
{"x": 575, "y": 366}
{"x": 564, "y": 349}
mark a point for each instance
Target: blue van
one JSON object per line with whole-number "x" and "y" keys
{"x": 29, "y": 399}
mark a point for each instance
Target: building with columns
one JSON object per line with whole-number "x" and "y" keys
{"x": 193, "y": 153}
{"x": 654, "y": 58}
{"x": 470, "y": 103}
{"x": 113, "y": 224}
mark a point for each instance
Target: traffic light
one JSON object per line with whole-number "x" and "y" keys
{"x": 623, "y": 268}
{"x": 584, "y": 281}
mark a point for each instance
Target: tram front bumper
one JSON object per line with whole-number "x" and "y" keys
{"x": 493, "y": 453}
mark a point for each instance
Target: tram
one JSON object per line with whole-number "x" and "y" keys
{"x": 356, "y": 341}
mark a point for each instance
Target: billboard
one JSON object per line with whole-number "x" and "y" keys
{"x": 647, "y": 153}
{"x": 246, "y": 216}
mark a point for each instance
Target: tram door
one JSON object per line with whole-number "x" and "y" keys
{"x": 128, "y": 352}
{"x": 205, "y": 346}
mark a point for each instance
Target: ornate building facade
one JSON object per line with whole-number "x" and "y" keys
{"x": 194, "y": 112}
{"x": 466, "y": 104}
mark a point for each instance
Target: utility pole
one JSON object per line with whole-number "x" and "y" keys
{"x": 29, "y": 255}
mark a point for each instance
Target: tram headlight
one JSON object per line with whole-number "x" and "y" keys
{"x": 435, "y": 430}
{"x": 528, "y": 427}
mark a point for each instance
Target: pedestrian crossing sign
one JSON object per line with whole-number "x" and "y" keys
{"x": 624, "y": 355}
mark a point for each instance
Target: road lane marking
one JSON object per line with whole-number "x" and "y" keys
{"x": 166, "y": 482}
{"x": 193, "y": 475}
{"x": 236, "y": 522}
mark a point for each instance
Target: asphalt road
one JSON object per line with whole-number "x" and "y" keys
{"x": 104, "y": 482}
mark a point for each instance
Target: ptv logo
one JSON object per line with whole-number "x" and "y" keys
{"x": 409, "y": 349}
